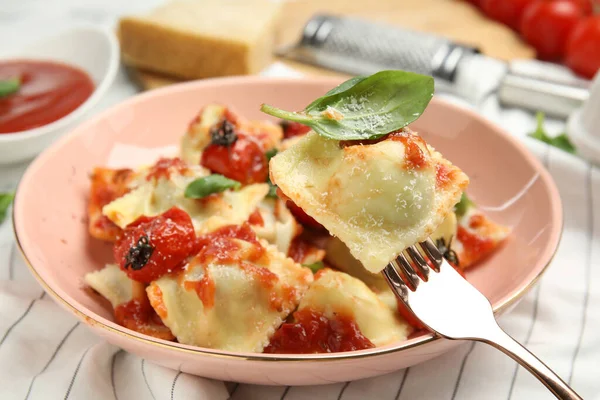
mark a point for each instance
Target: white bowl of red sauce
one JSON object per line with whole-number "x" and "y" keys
{"x": 48, "y": 86}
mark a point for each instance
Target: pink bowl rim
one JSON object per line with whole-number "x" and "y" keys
{"x": 95, "y": 320}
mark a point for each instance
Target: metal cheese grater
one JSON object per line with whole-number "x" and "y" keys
{"x": 359, "y": 47}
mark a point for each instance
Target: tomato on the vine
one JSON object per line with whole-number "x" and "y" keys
{"x": 583, "y": 47}
{"x": 509, "y": 12}
{"x": 151, "y": 247}
{"x": 546, "y": 25}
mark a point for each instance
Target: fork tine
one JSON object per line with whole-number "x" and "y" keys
{"x": 419, "y": 262}
{"x": 408, "y": 271}
{"x": 432, "y": 252}
{"x": 395, "y": 281}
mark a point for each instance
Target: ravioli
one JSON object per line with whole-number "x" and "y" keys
{"x": 156, "y": 196}
{"x": 378, "y": 197}
{"x": 115, "y": 286}
{"x": 277, "y": 224}
{"x": 336, "y": 293}
{"x": 232, "y": 296}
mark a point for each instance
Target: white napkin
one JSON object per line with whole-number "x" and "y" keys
{"x": 46, "y": 354}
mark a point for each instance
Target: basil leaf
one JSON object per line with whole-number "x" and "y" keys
{"x": 208, "y": 185}
{"x": 340, "y": 88}
{"x": 9, "y": 86}
{"x": 314, "y": 267}
{"x": 463, "y": 205}
{"x": 272, "y": 193}
{"x": 365, "y": 108}
{"x": 5, "y": 200}
{"x": 271, "y": 153}
{"x": 561, "y": 141}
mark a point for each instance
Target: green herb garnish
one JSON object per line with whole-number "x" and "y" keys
{"x": 314, "y": 267}
{"x": 365, "y": 107}
{"x": 5, "y": 200}
{"x": 463, "y": 205}
{"x": 208, "y": 185}
{"x": 271, "y": 153}
{"x": 9, "y": 86}
{"x": 561, "y": 141}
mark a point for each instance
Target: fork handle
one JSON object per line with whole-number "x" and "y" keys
{"x": 505, "y": 343}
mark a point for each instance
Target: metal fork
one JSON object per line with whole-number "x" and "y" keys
{"x": 452, "y": 308}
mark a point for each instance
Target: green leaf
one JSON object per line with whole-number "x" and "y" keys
{"x": 365, "y": 107}
{"x": 272, "y": 193}
{"x": 208, "y": 185}
{"x": 271, "y": 153}
{"x": 9, "y": 86}
{"x": 463, "y": 205}
{"x": 340, "y": 88}
{"x": 561, "y": 141}
{"x": 5, "y": 200}
{"x": 314, "y": 267}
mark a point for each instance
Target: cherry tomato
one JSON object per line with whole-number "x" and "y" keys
{"x": 508, "y": 12}
{"x": 291, "y": 129}
{"x": 585, "y": 6}
{"x": 583, "y": 47}
{"x": 302, "y": 216}
{"x": 244, "y": 161}
{"x": 151, "y": 247}
{"x": 476, "y": 3}
{"x": 409, "y": 317}
{"x": 546, "y": 25}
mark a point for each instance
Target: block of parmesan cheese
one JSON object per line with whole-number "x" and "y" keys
{"x": 198, "y": 39}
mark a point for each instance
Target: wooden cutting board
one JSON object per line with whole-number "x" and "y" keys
{"x": 455, "y": 19}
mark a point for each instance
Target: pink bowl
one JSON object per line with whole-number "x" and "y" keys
{"x": 50, "y": 220}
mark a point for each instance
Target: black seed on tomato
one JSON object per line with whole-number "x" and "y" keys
{"x": 139, "y": 255}
{"x": 223, "y": 134}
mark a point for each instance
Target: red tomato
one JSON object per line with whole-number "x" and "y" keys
{"x": 546, "y": 25}
{"x": 508, "y": 12}
{"x": 476, "y": 3}
{"x": 243, "y": 161}
{"x": 409, "y": 317}
{"x": 291, "y": 129}
{"x": 583, "y": 47}
{"x": 584, "y": 5}
{"x": 302, "y": 216}
{"x": 151, "y": 247}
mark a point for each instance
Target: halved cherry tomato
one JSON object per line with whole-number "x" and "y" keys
{"x": 291, "y": 129}
{"x": 151, "y": 247}
{"x": 508, "y": 12}
{"x": 546, "y": 25}
{"x": 244, "y": 161}
{"x": 409, "y": 317}
{"x": 583, "y": 47}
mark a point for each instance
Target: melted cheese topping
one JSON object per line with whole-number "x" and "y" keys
{"x": 242, "y": 310}
{"x": 368, "y": 195}
{"x": 335, "y": 292}
{"x": 158, "y": 195}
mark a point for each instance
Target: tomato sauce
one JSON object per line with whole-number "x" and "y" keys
{"x": 256, "y": 219}
{"x": 138, "y": 315}
{"x": 219, "y": 246}
{"x": 205, "y": 289}
{"x": 314, "y": 333}
{"x": 164, "y": 167}
{"x": 413, "y": 153}
{"x": 48, "y": 92}
{"x": 475, "y": 247}
{"x": 443, "y": 176}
